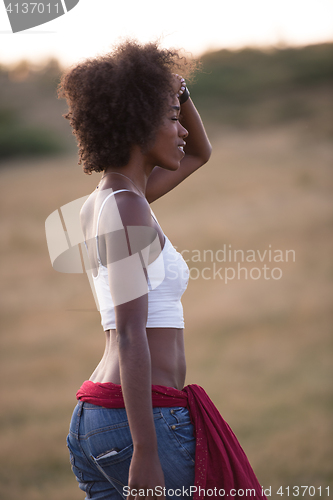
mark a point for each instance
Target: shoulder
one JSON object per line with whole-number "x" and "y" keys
{"x": 133, "y": 209}
{"x": 127, "y": 211}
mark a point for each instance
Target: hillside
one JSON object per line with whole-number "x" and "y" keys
{"x": 243, "y": 89}
{"x": 261, "y": 347}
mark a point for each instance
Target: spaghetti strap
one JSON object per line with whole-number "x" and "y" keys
{"x": 98, "y": 219}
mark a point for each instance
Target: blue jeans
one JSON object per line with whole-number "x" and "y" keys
{"x": 100, "y": 448}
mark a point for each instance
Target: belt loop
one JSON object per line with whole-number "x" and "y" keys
{"x": 80, "y": 405}
{"x": 79, "y": 413}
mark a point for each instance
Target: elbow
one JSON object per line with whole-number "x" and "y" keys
{"x": 209, "y": 152}
{"x": 205, "y": 156}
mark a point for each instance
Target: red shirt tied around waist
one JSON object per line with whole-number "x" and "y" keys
{"x": 220, "y": 461}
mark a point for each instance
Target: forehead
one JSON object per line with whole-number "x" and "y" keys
{"x": 174, "y": 104}
{"x": 174, "y": 101}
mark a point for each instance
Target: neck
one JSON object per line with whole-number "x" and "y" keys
{"x": 129, "y": 180}
{"x": 136, "y": 171}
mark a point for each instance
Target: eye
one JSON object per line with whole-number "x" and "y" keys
{"x": 177, "y": 117}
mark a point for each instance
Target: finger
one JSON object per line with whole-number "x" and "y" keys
{"x": 182, "y": 87}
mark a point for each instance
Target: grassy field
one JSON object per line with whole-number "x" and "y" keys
{"x": 261, "y": 344}
{"x": 262, "y": 348}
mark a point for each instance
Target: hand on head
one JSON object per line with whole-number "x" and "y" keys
{"x": 179, "y": 84}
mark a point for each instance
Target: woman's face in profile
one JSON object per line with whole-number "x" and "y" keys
{"x": 167, "y": 149}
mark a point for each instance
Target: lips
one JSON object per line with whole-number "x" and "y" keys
{"x": 180, "y": 148}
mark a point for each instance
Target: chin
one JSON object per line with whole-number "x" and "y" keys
{"x": 174, "y": 167}
{"x": 171, "y": 166}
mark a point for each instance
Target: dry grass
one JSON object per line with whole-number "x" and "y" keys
{"x": 261, "y": 348}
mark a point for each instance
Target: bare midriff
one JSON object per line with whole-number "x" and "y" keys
{"x": 167, "y": 353}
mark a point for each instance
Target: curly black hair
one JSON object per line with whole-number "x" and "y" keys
{"x": 118, "y": 100}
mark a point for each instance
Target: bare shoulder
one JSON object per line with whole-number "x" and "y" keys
{"x": 133, "y": 209}
{"x": 126, "y": 217}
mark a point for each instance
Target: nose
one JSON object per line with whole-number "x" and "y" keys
{"x": 182, "y": 132}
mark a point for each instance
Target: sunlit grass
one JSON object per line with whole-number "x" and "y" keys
{"x": 261, "y": 349}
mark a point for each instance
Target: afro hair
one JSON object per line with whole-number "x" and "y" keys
{"x": 118, "y": 100}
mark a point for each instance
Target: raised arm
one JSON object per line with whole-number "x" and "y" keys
{"x": 197, "y": 153}
{"x": 128, "y": 284}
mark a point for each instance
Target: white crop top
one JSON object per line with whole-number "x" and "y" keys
{"x": 167, "y": 281}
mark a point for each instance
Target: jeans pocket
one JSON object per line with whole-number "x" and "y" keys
{"x": 114, "y": 465}
{"x": 183, "y": 430}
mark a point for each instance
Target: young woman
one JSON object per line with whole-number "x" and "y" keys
{"x": 136, "y": 430}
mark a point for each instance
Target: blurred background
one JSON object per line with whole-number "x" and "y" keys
{"x": 262, "y": 348}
